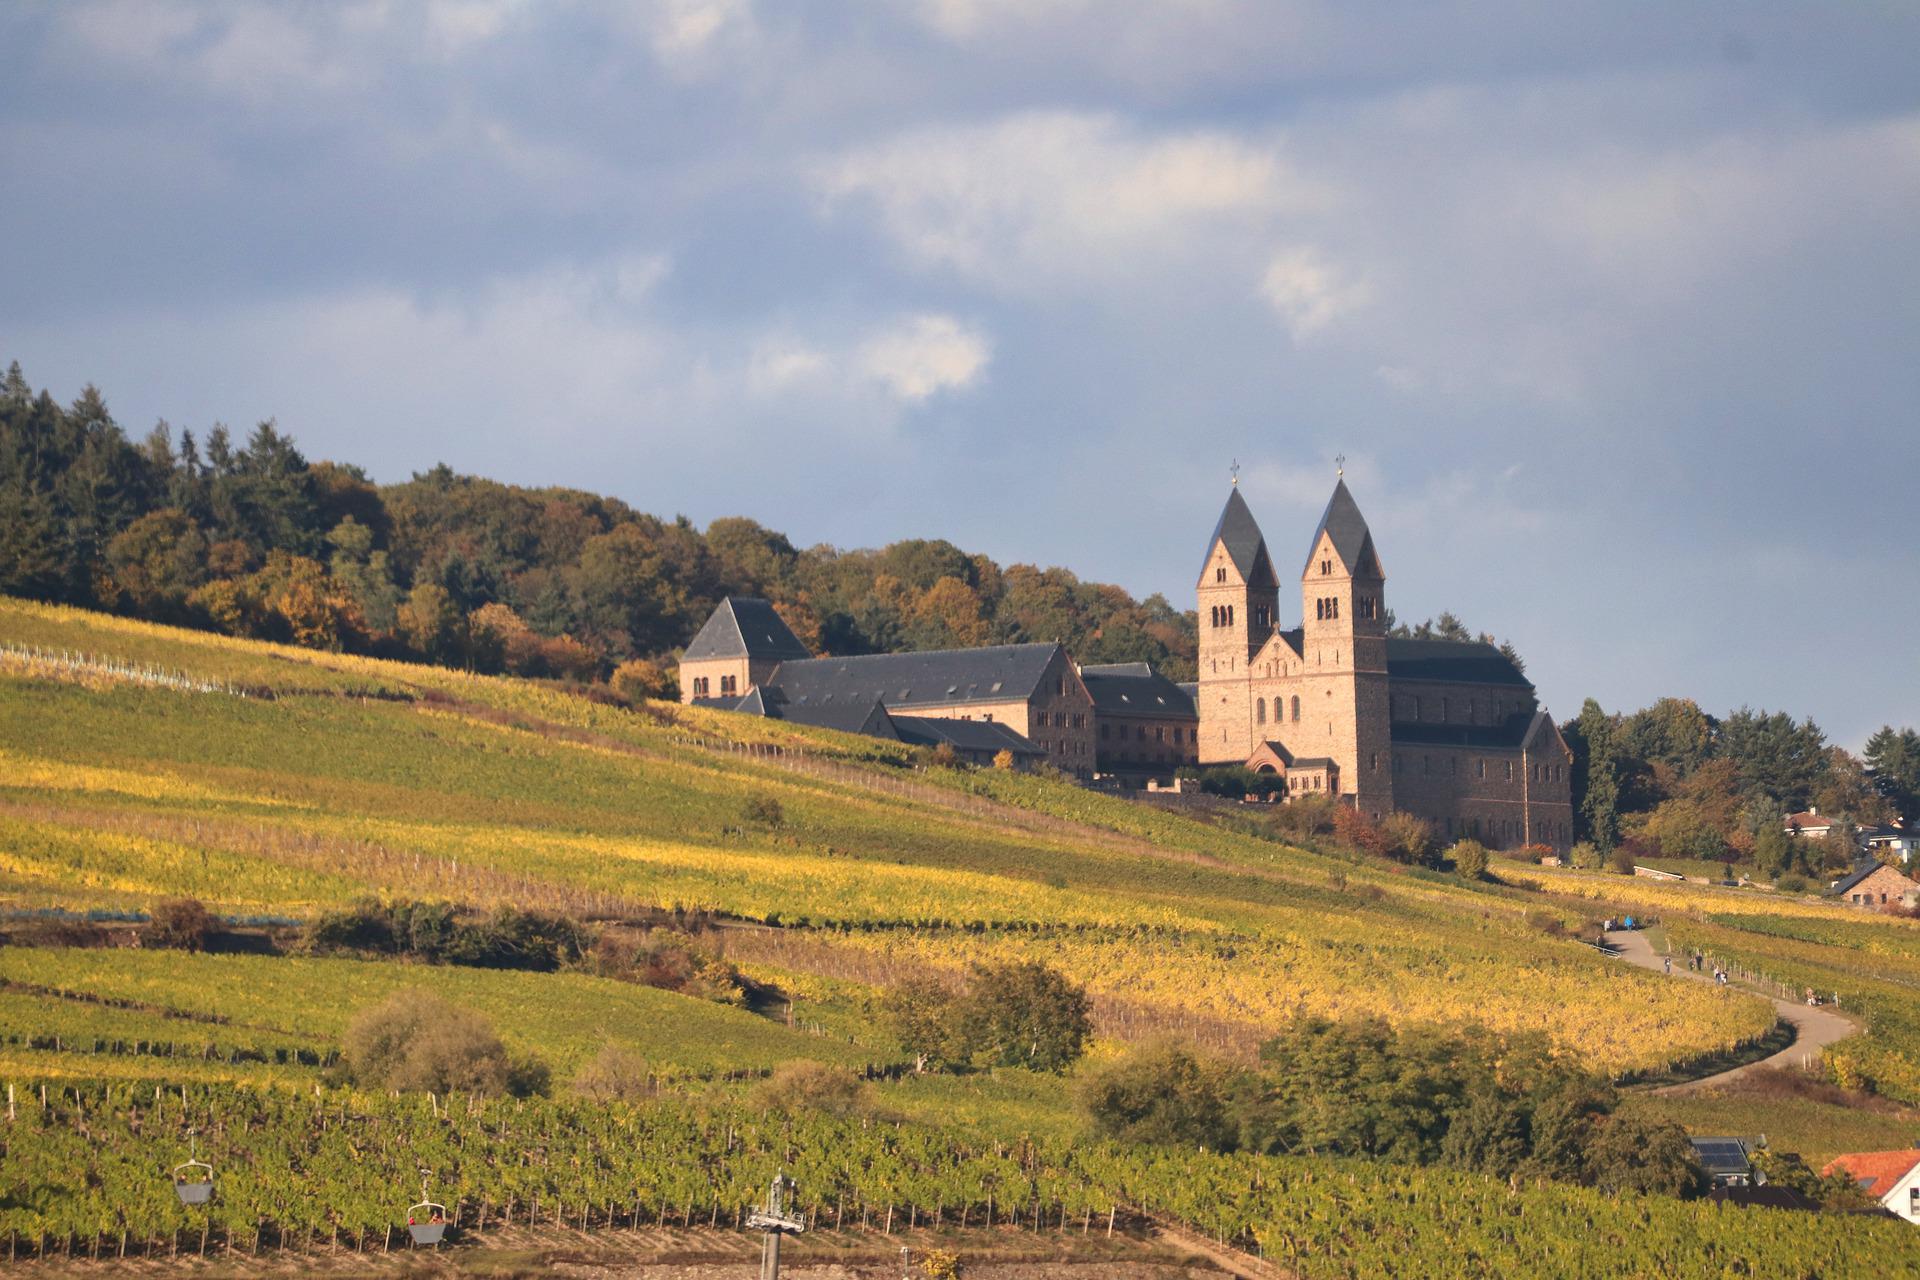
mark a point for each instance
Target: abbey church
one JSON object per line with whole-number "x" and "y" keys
{"x": 1447, "y": 731}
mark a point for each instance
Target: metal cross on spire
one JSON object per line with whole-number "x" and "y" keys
{"x": 1234, "y": 471}
{"x": 1339, "y": 464}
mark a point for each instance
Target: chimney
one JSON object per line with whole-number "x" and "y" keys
{"x": 1814, "y": 809}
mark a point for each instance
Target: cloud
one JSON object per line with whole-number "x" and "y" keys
{"x": 1036, "y": 200}
{"x": 1309, "y": 292}
{"x": 924, "y": 355}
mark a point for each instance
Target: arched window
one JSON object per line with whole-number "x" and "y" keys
{"x": 1260, "y": 710}
{"x": 1296, "y": 708}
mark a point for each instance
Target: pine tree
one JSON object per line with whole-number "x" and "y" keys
{"x": 1597, "y": 771}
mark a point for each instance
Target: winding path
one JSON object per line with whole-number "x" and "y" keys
{"x": 1814, "y": 1029}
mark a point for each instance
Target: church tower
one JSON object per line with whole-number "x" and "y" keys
{"x": 1239, "y": 598}
{"x": 1344, "y": 644}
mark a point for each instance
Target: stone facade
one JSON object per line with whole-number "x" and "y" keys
{"x": 1449, "y": 732}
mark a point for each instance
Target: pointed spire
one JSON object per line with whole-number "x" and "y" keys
{"x": 1246, "y": 545}
{"x": 1343, "y": 523}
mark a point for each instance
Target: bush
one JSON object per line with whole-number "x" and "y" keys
{"x": 812, "y": 1086}
{"x": 1407, "y": 838}
{"x": 669, "y": 960}
{"x": 640, "y": 680}
{"x": 184, "y": 924}
{"x": 615, "y": 1074}
{"x": 1163, "y": 1095}
{"x": 416, "y": 1040}
{"x": 1587, "y": 856}
{"x": 1003, "y": 760}
{"x": 1791, "y": 884}
{"x": 945, "y": 757}
{"x": 1621, "y": 861}
{"x": 1469, "y": 858}
{"x": 764, "y": 811}
{"x": 437, "y": 933}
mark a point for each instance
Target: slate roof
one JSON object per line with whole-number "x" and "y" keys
{"x": 1246, "y": 546}
{"x": 1878, "y": 1172}
{"x": 745, "y": 627}
{"x": 1312, "y": 762}
{"x": 1117, "y": 669}
{"x": 1861, "y": 871}
{"x": 964, "y": 735}
{"x": 1509, "y": 734}
{"x": 870, "y": 719}
{"x": 1463, "y": 661}
{"x": 1121, "y": 690}
{"x": 1343, "y": 522}
{"x": 901, "y": 681}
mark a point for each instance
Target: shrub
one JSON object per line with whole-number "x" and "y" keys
{"x": 812, "y": 1086}
{"x": 1587, "y": 856}
{"x": 1003, "y": 759}
{"x": 1469, "y": 859}
{"x": 1357, "y": 831}
{"x": 184, "y": 924}
{"x": 1160, "y": 1094}
{"x": 667, "y": 959}
{"x": 1791, "y": 884}
{"x": 615, "y": 1074}
{"x": 765, "y": 811}
{"x": 1407, "y": 838}
{"x": 640, "y": 679}
{"x": 1620, "y": 861}
{"x": 945, "y": 757}
{"x": 416, "y": 1040}
{"x": 435, "y": 932}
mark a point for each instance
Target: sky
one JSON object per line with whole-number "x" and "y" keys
{"x": 1612, "y": 308}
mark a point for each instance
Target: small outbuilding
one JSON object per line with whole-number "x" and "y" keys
{"x": 1875, "y": 884}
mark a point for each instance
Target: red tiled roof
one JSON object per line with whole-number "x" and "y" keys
{"x": 1884, "y": 1167}
{"x": 1809, "y": 819}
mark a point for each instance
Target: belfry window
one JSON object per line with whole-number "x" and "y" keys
{"x": 1220, "y": 574}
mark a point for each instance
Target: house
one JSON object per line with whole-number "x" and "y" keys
{"x": 1875, "y": 884}
{"x": 1034, "y": 690}
{"x": 1891, "y": 1177}
{"x": 1729, "y": 1161}
{"x": 1145, "y": 725}
{"x": 1890, "y": 843}
{"x": 1812, "y": 824}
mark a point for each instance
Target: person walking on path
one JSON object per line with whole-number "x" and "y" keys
{"x": 1669, "y": 964}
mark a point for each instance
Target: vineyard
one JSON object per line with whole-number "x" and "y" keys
{"x": 346, "y": 776}
{"x": 139, "y": 763}
{"x": 86, "y": 1174}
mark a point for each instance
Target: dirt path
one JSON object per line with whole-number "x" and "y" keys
{"x": 1813, "y": 1028}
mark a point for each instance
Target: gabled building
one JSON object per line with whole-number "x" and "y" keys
{"x": 1891, "y": 1177}
{"x": 1812, "y": 824}
{"x": 746, "y": 658}
{"x": 1448, "y": 731}
{"x": 1873, "y": 883}
{"x": 1145, "y": 724}
{"x": 743, "y": 642}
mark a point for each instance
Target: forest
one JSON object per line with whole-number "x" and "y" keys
{"x": 250, "y": 538}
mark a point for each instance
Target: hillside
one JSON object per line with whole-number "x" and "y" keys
{"x": 139, "y": 763}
